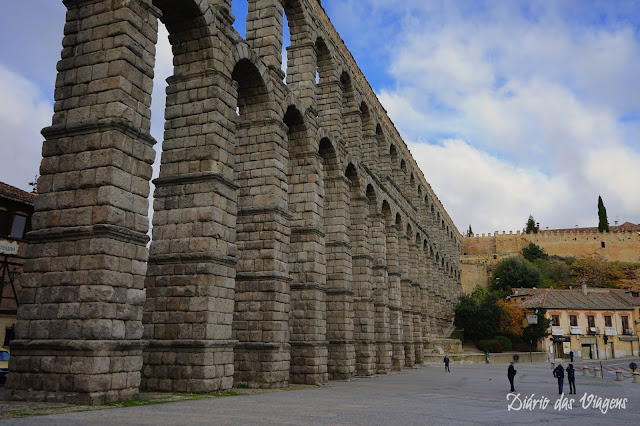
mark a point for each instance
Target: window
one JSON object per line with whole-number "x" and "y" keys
{"x": 625, "y": 323}
{"x": 573, "y": 320}
{"x": 607, "y": 320}
{"x": 18, "y": 226}
{"x": 602, "y": 244}
{"x": 13, "y": 225}
{"x": 555, "y": 320}
{"x": 591, "y": 321}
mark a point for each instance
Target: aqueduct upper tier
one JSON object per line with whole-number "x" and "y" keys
{"x": 294, "y": 239}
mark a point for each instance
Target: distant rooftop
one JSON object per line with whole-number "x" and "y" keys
{"x": 576, "y": 299}
{"x": 16, "y": 194}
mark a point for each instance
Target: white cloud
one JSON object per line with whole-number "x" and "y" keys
{"x": 24, "y": 111}
{"x": 540, "y": 99}
{"x": 484, "y": 191}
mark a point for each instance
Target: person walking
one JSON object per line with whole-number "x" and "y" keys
{"x": 558, "y": 373}
{"x": 511, "y": 374}
{"x": 446, "y": 363}
{"x": 571, "y": 376}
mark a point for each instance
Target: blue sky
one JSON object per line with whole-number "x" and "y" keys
{"x": 510, "y": 108}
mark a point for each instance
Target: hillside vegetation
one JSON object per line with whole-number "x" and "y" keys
{"x": 536, "y": 269}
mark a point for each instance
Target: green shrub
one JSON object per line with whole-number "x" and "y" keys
{"x": 505, "y": 343}
{"x": 491, "y": 345}
{"x": 495, "y": 347}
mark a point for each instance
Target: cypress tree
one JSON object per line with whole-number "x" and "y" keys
{"x": 603, "y": 223}
{"x": 469, "y": 232}
{"x": 531, "y": 226}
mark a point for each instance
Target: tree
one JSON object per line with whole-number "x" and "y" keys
{"x": 533, "y": 252}
{"x": 531, "y": 226}
{"x": 511, "y": 317}
{"x": 535, "y": 332}
{"x": 476, "y": 313}
{"x": 603, "y": 223}
{"x": 470, "y": 232}
{"x": 515, "y": 272}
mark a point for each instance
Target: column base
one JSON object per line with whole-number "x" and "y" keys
{"x": 74, "y": 371}
{"x": 195, "y": 366}
{"x": 342, "y": 359}
{"x": 262, "y": 365}
{"x": 309, "y": 363}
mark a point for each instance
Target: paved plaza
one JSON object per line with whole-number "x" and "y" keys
{"x": 469, "y": 394}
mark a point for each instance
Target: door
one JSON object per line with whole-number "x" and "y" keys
{"x": 586, "y": 352}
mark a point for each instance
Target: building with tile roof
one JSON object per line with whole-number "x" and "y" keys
{"x": 16, "y": 208}
{"x": 592, "y": 323}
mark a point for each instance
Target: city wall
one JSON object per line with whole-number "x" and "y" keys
{"x": 482, "y": 252}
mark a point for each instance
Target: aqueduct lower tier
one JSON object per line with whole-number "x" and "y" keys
{"x": 294, "y": 240}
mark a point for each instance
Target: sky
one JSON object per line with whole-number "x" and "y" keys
{"x": 510, "y": 108}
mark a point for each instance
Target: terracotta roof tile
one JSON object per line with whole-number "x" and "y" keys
{"x": 575, "y": 299}
{"x": 16, "y": 194}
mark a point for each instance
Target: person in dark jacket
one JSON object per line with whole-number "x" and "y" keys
{"x": 558, "y": 373}
{"x": 571, "y": 376}
{"x": 511, "y": 374}
{"x": 446, "y": 364}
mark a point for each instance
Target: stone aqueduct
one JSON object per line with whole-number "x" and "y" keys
{"x": 294, "y": 240}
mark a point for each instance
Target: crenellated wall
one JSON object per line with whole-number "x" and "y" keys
{"x": 482, "y": 252}
{"x": 610, "y": 246}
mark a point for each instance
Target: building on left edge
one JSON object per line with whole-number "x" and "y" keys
{"x": 16, "y": 208}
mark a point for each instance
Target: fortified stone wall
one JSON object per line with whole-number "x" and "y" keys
{"x": 610, "y": 246}
{"x": 482, "y": 252}
{"x": 294, "y": 240}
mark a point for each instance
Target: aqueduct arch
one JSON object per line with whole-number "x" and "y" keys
{"x": 292, "y": 242}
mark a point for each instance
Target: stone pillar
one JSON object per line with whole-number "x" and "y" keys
{"x": 395, "y": 307}
{"x": 79, "y": 329}
{"x": 264, "y": 31}
{"x": 262, "y": 302}
{"x": 340, "y": 318}
{"x": 353, "y": 130}
{"x": 364, "y": 330}
{"x": 308, "y": 323}
{"x": 329, "y": 100}
{"x": 407, "y": 315}
{"x": 191, "y": 276}
{"x": 369, "y": 143}
{"x": 424, "y": 302}
{"x": 415, "y": 301}
{"x": 301, "y": 71}
{"x": 381, "y": 295}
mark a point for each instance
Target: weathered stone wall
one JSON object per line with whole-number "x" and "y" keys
{"x": 295, "y": 240}
{"x": 482, "y": 253}
{"x": 610, "y": 246}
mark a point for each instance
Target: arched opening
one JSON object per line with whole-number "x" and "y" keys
{"x": 393, "y": 155}
{"x": 347, "y": 92}
{"x": 384, "y": 162}
{"x": 323, "y": 61}
{"x": 239, "y": 9}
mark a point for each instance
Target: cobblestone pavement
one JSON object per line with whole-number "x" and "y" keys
{"x": 469, "y": 394}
